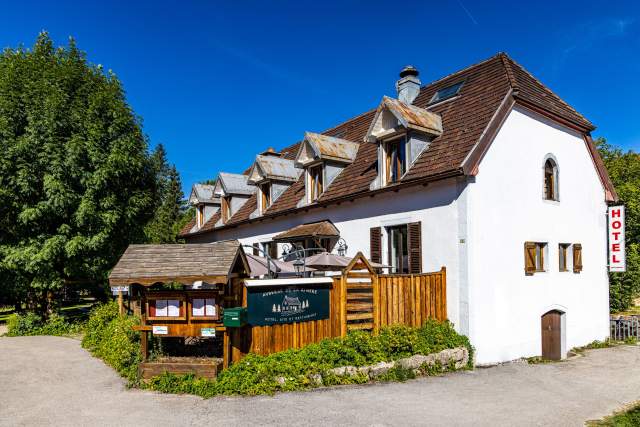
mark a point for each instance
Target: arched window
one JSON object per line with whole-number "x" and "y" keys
{"x": 550, "y": 179}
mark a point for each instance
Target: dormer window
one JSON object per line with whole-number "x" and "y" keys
{"x": 396, "y": 159}
{"x": 205, "y": 202}
{"x": 316, "y": 182}
{"x": 402, "y": 132}
{"x": 265, "y": 196}
{"x": 323, "y": 157}
{"x": 272, "y": 175}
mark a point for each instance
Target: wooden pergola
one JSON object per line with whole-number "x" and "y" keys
{"x": 211, "y": 276}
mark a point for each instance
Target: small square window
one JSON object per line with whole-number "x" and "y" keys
{"x": 165, "y": 308}
{"x": 446, "y": 93}
{"x": 203, "y": 307}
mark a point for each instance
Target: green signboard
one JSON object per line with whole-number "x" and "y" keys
{"x": 290, "y": 304}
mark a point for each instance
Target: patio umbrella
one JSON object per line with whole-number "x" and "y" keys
{"x": 258, "y": 266}
{"x": 332, "y": 262}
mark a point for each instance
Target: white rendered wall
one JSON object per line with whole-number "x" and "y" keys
{"x": 433, "y": 205}
{"x": 506, "y": 209}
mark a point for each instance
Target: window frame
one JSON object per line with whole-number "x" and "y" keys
{"x": 200, "y": 215}
{"x": 400, "y": 145}
{"x": 435, "y": 99}
{"x": 538, "y": 260}
{"x": 550, "y": 181}
{"x": 214, "y": 316}
{"x": 563, "y": 255}
{"x": 225, "y": 207}
{"x": 316, "y": 181}
{"x": 400, "y": 269}
{"x": 265, "y": 196}
{"x": 152, "y": 301}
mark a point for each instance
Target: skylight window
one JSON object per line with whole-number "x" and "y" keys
{"x": 446, "y": 93}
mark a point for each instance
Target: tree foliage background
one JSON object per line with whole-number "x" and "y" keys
{"x": 77, "y": 182}
{"x": 624, "y": 170}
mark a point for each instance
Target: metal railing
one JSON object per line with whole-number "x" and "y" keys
{"x": 624, "y": 328}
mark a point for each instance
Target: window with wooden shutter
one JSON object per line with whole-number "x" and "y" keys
{"x": 529, "y": 258}
{"x": 375, "y": 247}
{"x": 534, "y": 257}
{"x": 256, "y": 249}
{"x": 577, "y": 257}
{"x": 415, "y": 247}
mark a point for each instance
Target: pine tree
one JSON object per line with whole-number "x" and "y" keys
{"x": 76, "y": 180}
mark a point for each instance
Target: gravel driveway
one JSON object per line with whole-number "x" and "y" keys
{"x": 53, "y": 381}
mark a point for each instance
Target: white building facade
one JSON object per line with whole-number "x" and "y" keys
{"x": 516, "y": 212}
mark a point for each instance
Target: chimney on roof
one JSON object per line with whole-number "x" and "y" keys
{"x": 408, "y": 86}
{"x": 270, "y": 152}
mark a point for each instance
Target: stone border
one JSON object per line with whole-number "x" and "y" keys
{"x": 457, "y": 358}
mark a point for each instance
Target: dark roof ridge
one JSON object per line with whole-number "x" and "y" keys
{"x": 507, "y": 66}
{"x": 484, "y": 61}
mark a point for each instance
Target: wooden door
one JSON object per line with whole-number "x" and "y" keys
{"x": 552, "y": 335}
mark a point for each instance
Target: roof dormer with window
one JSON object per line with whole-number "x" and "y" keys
{"x": 322, "y": 158}
{"x": 233, "y": 191}
{"x": 203, "y": 198}
{"x": 402, "y": 132}
{"x": 271, "y": 175}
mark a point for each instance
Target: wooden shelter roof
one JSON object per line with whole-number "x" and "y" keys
{"x": 209, "y": 262}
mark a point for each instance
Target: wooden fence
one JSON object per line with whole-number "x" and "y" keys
{"x": 411, "y": 299}
{"x": 365, "y": 301}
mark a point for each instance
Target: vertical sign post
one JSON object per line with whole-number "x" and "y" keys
{"x": 617, "y": 260}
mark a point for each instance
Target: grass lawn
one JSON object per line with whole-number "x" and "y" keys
{"x": 74, "y": 312}
{"x": 628, "y": 418}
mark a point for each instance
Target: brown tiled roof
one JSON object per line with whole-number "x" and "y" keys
{"x": 531, "y": 89}
{"x": 464, "y": 119}
{"x": 247, "y": 209}
{"x": 314, "y": 229}
{"x": 187, "y": 227}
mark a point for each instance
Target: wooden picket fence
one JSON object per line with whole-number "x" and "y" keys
{"x": 359, "y": 299}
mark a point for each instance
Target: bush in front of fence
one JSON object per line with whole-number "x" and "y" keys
{"x": 308, "y": 367}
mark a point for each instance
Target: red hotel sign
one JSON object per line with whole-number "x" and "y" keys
{"x": 617, "y": 261}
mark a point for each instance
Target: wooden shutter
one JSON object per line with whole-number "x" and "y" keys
{"x": 577, "y": 257}
{"x": 529, "y": 258}
{"x": 256, "y": 250}
{"x": 375, "y": 247}
{"x": 273, "y": 250}
{"x": 414, "y": 235}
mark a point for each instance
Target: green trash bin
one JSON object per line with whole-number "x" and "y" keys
{"x": 234, "y": 317}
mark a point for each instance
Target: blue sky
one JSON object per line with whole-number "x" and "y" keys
{"x": 216, "y": 82}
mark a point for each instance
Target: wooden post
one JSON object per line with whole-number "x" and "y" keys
{"x": 376, "y": 303}
{"x": 144, "y": 345}
{"x": 120, "y": 302}
{"x": 225, "y": 349}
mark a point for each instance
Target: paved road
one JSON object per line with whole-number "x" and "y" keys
{"x": 52, "y": 381}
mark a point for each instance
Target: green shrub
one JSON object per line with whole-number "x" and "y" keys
{"x": 256, "y": 374}
{"x": 110, "y": 337}
{"x": 32, "y": 324}
{"x": 627, "y": 418}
